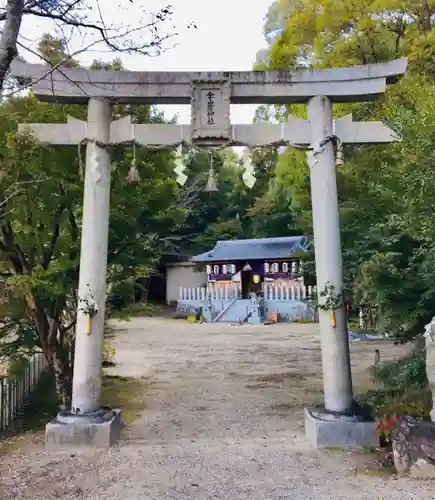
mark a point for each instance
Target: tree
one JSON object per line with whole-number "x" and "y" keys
{"x": 235, "y": 211}
{"x": 343, "y": 32}
{"x": 80, "y": 20}
{"x": 40, "y": 230}
{"x": 387, "y": 223}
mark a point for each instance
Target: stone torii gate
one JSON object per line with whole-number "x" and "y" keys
{"x": 210, "y": 95}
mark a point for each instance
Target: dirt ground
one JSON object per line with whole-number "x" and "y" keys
{"x": 223, "y": 421}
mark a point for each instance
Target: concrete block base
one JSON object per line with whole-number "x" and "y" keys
{"x": 99, "y": 430}
{"x": 328, "y": 431}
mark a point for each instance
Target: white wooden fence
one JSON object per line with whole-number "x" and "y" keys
{"x": 199, "y": 294}
{"x": 270, "y": 292}
{"x": 290, "y": 292}
{"x": 14, "y": 391}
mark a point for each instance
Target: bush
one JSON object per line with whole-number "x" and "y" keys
{"x": 121, "y": 295}
{"x": 403, "y": 374}
{"x": 405, "y": 388}
{"x": 138, "y": 309}
{"x": 414, "y": 403}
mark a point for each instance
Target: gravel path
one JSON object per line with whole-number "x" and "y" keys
{"x": 223, "y": 422}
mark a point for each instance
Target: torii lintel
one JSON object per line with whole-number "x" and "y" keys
{"x": 78, "y": 85}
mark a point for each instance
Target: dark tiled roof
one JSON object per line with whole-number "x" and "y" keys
{"x": 262, "y": 248}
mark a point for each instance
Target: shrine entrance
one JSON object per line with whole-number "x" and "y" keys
{"x": 251, "y": 282}
{"x": 210, "y": 96}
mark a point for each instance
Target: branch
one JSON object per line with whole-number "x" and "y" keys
{"x": 12, "y": 246}
{"x": 58, "y": 66}
{"x": 71, "y": 15}
{"x": 75, "y": 14}
{"x": 48, "y": 252}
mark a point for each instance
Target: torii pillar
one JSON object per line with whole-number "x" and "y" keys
{"x": 210, "y": 95}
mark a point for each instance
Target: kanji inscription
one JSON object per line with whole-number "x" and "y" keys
{"x": 211, "y": 113}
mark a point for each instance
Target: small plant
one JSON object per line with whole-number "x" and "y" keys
{"x": 109, "y": 353}
{"x": 384, "y": 429}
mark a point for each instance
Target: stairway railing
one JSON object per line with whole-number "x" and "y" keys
{"x": 219, "y": 316}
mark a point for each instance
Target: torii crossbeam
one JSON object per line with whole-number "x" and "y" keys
{"x": 210, "y": 95}
{"x": 295, "y": 131}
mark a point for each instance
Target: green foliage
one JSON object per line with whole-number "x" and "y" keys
{"x": 386, "y": 205}
{"x": 116, "y": 392}
{"x": 403, "y": 374}
{"x": 17, "y": 365}
{"x": 121, "y": 294}
{"x": 404, "y": 389}
{"x": 137, "y": 309}
{"x": 41, "y": 195}
{"x": 235, "y": 211}
{"x": 413, "y": 403}
{"x": 109, "y": 352}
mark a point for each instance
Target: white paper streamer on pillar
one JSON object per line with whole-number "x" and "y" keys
{"x": 133, "y": 175}
{"x": 180, "y": 166}
{"x": 248, "y": 176}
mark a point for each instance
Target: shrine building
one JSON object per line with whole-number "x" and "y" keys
{"x": 250, "y": 280}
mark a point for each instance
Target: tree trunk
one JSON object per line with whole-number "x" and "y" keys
{"x": 9, "y": 36}
{"x": 62, "y": 370}
{"x": 56, "y": 351}
{"x": 425, "y": 17}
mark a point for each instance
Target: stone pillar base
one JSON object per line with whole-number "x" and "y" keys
{"x": 98, "y": 430}
{"x": 325, "y": 430}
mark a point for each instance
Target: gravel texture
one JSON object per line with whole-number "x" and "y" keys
{"x": 224, "y": 421}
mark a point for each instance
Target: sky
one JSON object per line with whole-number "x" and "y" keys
{"x": 228, "y": 36}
